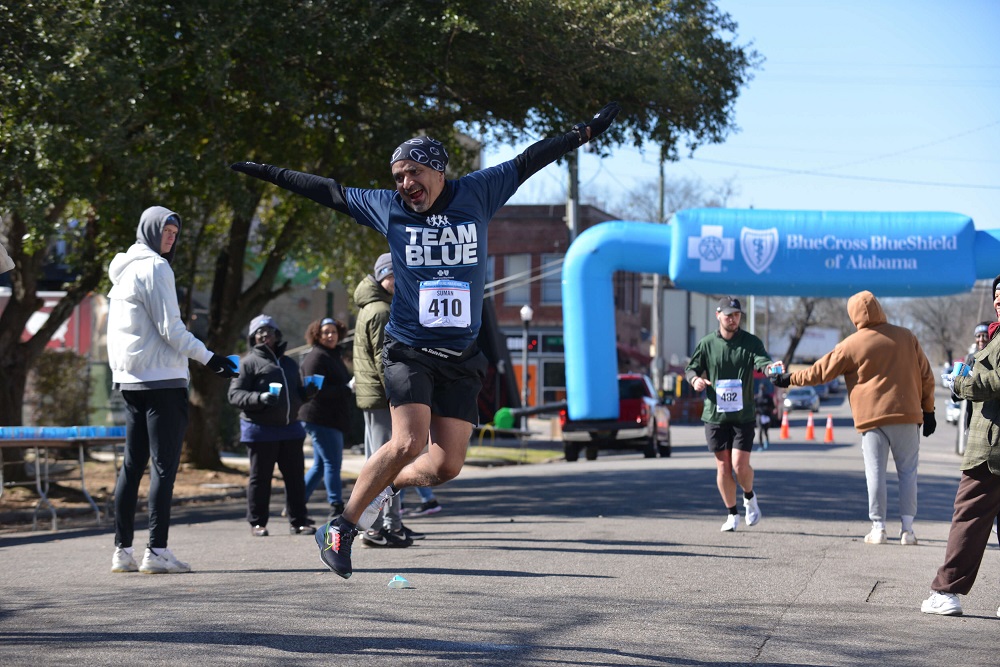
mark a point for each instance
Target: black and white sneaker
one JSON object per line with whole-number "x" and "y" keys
{"x": 386, "y": 538}
{"x": 410, "y": 533}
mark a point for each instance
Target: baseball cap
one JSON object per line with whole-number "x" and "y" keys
{"x": 729, "y": 305}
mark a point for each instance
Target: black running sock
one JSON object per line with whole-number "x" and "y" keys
{"x": 395, "y": 491}
{"x": 748, "y": 495}
{"x": 732, "y": 510}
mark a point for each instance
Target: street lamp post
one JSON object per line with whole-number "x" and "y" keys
{"x": 526, "y": 314}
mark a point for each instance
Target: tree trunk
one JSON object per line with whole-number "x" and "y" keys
{"x": 203, "y": 441}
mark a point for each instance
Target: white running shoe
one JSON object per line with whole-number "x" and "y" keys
{"x": 876, "y": 536}
{"x": 732, "y": 521}
{"x": 945, "y": 604}
{"x": 123, "y": 561}
{"x": 752, "y": 511}
{"x": 907, "y": 538}
{"x": 165, "y": 563}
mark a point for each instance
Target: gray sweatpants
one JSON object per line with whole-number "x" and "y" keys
{"x": 378, "y": 431}
{"x": 903, "y": 440}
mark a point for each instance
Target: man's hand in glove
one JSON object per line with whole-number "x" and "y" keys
{"x": 930, "y": 423}
{"x": 782, "y": 380}
{"x": 598, "y": 124}
{"x": 267, "y": 398}
{"x": 222, "y": 366}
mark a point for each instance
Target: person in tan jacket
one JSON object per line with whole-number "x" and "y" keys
{"x": 890, "y": 387}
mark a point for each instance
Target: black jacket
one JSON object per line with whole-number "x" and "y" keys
{"x": 331, "y": 406}
{"x": 258, "y": 369}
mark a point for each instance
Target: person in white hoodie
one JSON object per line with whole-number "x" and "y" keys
{"x": 148, "y": 351}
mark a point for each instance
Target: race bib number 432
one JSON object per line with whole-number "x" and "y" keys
{"x": 729, "y": 395}
{"x": 445, "y": 303}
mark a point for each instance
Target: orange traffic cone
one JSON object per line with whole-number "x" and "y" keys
{"x": 784, "y": 425}
{"x": 829, "y": 429}
{"x": 810, "y": 428}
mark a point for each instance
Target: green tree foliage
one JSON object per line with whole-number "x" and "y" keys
{"x": 111, "y": 106}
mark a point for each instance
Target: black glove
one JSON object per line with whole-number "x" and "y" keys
{"x": 262, "y": 171}
{"x": 598, "y": 124}
{"x": 222, "y": 366}
{"x": 930, "y": 423}
{"x": 267, "y": 398}
{"x": 782, "y": 380}
{"x": 309, "y": 391}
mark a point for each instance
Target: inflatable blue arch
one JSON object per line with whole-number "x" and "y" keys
{"x": 776, "y": 253}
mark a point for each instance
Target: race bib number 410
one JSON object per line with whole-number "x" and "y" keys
{"x": 729, "y": 395}
{"x": 445, "y": 303}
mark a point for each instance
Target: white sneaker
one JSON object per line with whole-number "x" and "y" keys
{"x": 165, "y": 563}
{"x": 752, "y": 511}
{"x": 123, "y": 561}
{"x": 876, "y": 536}
{"x": 945, "y": 604}
{"x": 732, "y": 521}
{"x": 907, "y": 538}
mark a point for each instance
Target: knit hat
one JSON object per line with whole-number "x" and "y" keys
{"x": 383, "y": 266}
{"x": 262, "y": 321}
{"x": 423, "y": 150}
{"x": 996, "y": 281}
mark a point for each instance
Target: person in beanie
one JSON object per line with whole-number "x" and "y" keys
{"x": 269, "y": 393}
{"x": 437, "y": 234}
{"x": 977, "y": 501}
{"x": 890, "y": 387}
{"x": 373, "y": 297}
{"x": 148, "y": 351}
{"x": 722, "y": 365}
{"x": 328, "y": 416}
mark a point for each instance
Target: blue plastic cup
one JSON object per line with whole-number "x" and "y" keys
{"x": 317, "y": 380}
{"x": 235, "y": 358}
{"x": 275, "y": 388}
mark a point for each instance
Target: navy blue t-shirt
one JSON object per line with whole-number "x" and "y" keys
{"x": 439, "y": 260}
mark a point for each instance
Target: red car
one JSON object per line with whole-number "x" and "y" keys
{"x": 643, "y": 423}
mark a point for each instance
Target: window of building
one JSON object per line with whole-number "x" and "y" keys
{"x": 552, "y": 278}
{"x": 517, "y": 269}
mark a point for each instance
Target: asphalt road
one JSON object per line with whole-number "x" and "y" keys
{"x": 617, "y": 561}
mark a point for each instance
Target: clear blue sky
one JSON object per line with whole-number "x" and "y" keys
{"x": 873, "y": 105}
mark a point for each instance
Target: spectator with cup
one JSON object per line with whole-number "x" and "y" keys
{"x": 269, "y": 393}
{"x": 327, "y": 417}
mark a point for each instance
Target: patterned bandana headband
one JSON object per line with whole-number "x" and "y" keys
{"x": 422, "y": 150}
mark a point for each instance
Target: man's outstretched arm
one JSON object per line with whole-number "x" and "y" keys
{"x": 321, "y": 190}
{"x": 543, "y": 153}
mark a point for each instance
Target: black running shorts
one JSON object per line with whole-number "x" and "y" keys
{"x": 447, "y": 381}
{"x": 721, "y": 437}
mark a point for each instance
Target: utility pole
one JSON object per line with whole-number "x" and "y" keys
{"x": 656, "y": 326}
{"x": 573, "y": 199}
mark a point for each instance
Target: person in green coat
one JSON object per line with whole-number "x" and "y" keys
{"x": 722, "y": 365}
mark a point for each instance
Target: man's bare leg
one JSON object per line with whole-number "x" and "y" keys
{"x": 724, "y": 477}
{"x": 410, "y": 424}
{"x": 744, "y": 473}
{"x": 444, "y": 457}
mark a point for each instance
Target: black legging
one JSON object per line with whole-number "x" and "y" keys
{"x": 155, "y": 421}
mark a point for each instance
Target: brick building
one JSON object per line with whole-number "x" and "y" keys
{"x": 527, "y": 244}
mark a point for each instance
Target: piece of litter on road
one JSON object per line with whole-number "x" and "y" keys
{"x": 400, "y": 582}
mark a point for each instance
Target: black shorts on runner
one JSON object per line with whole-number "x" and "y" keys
{"x": 447, "y": 381}
{"x": 721, "y": 437}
